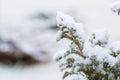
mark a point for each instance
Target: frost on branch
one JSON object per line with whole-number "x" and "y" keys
{"x": 90, "y": 57}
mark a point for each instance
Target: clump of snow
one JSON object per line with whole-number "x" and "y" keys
{"x": 118, "y": 57}
{"x": 59, "y": 55}
{"x": 77, "y": 58}
{"x": 115, "y": 46}
{"x": 67, "y": 22}
{"x": 100, "y": 37}
{"x": 76, "y": 77}
{"x": 116, "y": 7}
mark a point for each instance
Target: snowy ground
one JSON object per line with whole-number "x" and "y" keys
{"x": 94, "y": 14}
{"x": 39, "y": 72}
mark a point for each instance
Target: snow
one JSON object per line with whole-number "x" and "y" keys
{"x": 77, "y": 58}
{"x": 115, "y": 46}
{"x": 96, "y": 49}
{"x": 99, "y": 35}
{"x": 76, "y": 77}
{"x": 69, "y": 23}
{"x": 48, "y": 71}
{"x": 118, "y": 57}
{"x": 116, "y": 7}
{"x": 64, "y": 20}
{"x": 59, "y": 54}
{"x": 102, "y": 54}
{"x": 31, "y": 40}
{"x": 94, "y": 14}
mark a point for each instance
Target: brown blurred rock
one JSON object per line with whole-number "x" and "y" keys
{"x": 17, "y": 56}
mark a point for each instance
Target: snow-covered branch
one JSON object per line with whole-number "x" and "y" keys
{"x": 90, "y": 57}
